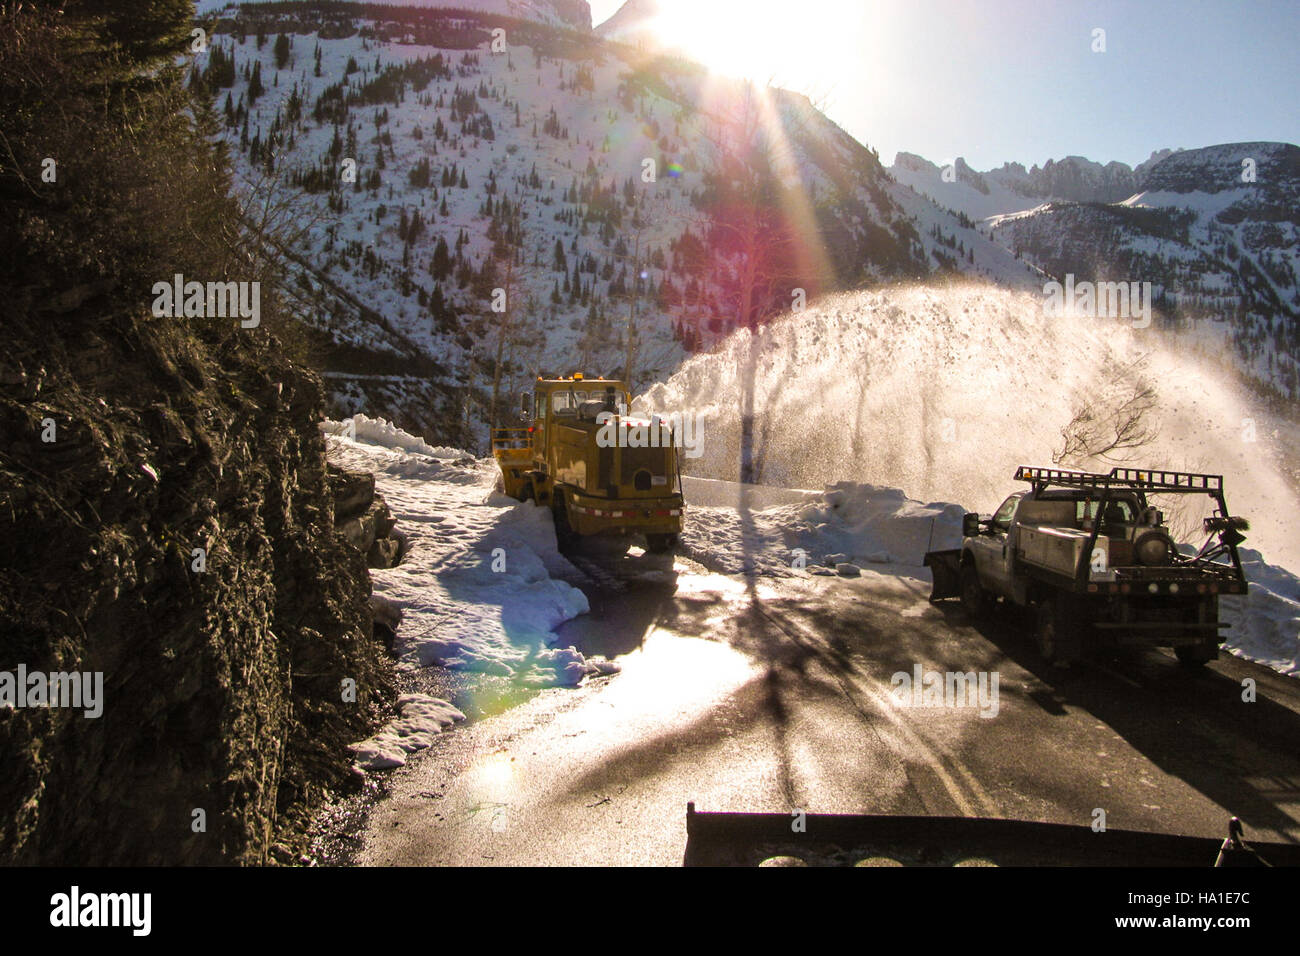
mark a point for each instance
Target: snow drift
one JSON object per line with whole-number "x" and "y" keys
{"x": 780, "y": 531}
{"x": 476, "y": 590}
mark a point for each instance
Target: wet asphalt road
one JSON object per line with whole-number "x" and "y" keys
{"x": 777, "y": 695}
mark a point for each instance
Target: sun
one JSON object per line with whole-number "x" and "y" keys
{"x": 757, "y": 39}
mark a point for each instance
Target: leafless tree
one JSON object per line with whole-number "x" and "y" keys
{"x": 1113, "y": 420}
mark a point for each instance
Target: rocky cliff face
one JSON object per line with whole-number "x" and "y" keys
{"x": 166, "y": 519}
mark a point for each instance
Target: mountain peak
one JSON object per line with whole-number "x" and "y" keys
{"x": 633, "y": 23}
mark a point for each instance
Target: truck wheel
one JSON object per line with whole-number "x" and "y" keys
{"x": 565, "y": 537}
{"x": 975, "y": 601}
{"x": 526, "y": 492}
{"x": 660, "y": 543}
{"x": 1196, "y": 656}
{"x": 1056, "y": 632}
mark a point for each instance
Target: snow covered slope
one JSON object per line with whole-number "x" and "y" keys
{"x": 426, "y": 163}
{"x": 572, "y": 14}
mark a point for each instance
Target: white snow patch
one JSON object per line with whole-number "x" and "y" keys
{"x": 477, "y": 589}
{"x": 378, "y": 431}
{"x": 422, "y": 718}
{"x": 849, "y": 523}
{"x": 1266, "y": 620}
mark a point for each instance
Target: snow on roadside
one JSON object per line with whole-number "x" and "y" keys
{"x": 377, "y": 431}
{"x": 477, "y": 590}
{"x": 761, "y": 530}
{"x": 1266, "y": 621}
{"x": 422, "y": 717}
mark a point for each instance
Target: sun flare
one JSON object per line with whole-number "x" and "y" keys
{"x": 737, "y": 39}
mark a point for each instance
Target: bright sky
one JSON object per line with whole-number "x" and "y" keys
{"x": 1000, "y": 80}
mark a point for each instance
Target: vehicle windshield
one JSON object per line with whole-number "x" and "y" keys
{"x": 567, "y": 400}
{"x": 571, "y": 399}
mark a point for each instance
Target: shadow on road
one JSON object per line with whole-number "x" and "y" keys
{"x": 628, "y": 590}
{"x": 1193, "y": 725}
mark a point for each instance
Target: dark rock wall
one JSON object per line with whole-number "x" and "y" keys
{"x": 223, "y": 687}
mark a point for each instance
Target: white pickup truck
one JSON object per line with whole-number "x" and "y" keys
{"x": 1096, "y": 563}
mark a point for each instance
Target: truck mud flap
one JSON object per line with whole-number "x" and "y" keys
{"x": 945, "y": 570}
{"x": 747, "y": 839}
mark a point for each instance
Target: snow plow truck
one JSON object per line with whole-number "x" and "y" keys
{"x": 599, "y": 469}
{"x": 1095, "y": 563}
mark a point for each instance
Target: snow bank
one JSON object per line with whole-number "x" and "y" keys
{"x": 479, "y": 588}
{"x": 378, "y": 431}
{"x": 847, "y": 523}
{"x": 1266, "y": 621}
{"x": 422, "y": 718}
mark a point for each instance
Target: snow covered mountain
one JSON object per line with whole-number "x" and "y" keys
{"x": 1216, "y": 231}
{"x": 630, "y": 23}
{"x": 572, "y": 14}
{"x": 580, "y": 186}
{"x": 1011, "y": 188}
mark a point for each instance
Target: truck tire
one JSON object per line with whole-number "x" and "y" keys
{"x": 526, "y": 492}
{"x": 565, "y": 537}
{"x": 975, "y": 601}
{"x": 1196, "y": 656}
{"x": 660, "y": 543}
{"x": 1057, "y": 631}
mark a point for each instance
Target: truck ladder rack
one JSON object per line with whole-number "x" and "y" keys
{"x": 1144, "y": 478}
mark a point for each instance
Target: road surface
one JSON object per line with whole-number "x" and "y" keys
{"x": 779, "y": 694}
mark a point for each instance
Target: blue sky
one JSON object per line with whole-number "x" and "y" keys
{"x": 999, "y": 80}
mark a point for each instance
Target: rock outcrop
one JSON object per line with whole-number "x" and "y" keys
{"x": 167, "y": 520}
{"x": 362, "y": 517}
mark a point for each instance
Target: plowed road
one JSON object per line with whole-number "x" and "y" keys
{"x": 780, "y": 695}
